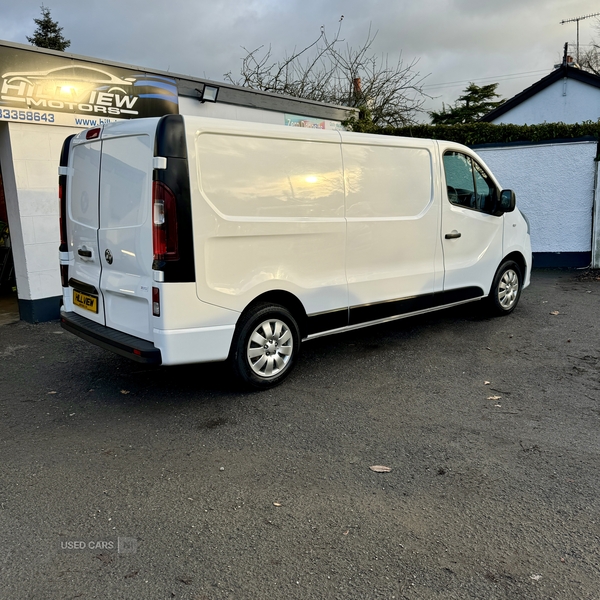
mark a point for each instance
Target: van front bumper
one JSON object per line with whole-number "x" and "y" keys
{"x": 121, "y": 343}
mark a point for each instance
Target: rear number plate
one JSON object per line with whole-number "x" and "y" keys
{"x": 85, "y": 301}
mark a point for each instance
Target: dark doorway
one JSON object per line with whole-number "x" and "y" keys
{"x": 9, "y": 308}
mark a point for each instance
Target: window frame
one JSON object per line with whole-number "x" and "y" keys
{"x": 474, "y": 165}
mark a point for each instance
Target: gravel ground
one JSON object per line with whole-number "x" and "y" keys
{"x": 490, "y": 428}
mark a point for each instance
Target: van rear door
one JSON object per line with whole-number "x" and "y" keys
{"x": 83, "y": 217}
{"x": 111, "y": 230}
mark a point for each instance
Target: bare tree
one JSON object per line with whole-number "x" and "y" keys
{"x": 327, "y": 70}
{"x": 589, "y": 59}
{"x": 589, "y": 56}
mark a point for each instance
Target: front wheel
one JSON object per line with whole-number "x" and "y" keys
{"x": 265, "y": 346}
{"x": 506, "y": 289}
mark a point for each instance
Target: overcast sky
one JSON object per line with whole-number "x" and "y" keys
{"x": 514, "y": 42}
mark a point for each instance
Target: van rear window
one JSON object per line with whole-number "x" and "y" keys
{"x": 83, "y": 193}
{"x": 125, "y": 191}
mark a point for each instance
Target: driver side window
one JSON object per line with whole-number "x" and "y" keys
{"x": 467, "y": 184}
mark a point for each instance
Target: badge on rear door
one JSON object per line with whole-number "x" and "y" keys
{"x": 108, "y": 256}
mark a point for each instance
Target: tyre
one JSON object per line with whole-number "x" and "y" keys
{"x": 265, "y": 346}
{"x": 506, "y": 289}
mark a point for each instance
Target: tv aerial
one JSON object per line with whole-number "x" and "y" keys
{"x": 577, "y": 19}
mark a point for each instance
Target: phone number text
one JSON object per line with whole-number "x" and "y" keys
{"x": 27, "y": 115}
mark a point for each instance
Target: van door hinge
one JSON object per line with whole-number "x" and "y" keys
{"x": 159, "y": 162}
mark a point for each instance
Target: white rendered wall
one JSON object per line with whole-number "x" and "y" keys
{"x": 29, "y": 157}
{"x": 566, "y": 101}
{"x": 554, "y": 184}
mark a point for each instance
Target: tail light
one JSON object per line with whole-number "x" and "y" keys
{"x": 64, "y": 275}
{"x": 93, "y": 134}
{"x": 61, "y": 212}
{"x": 63, "y": 249}
{"x": 156, "y": 302}
{"x": 164, "y": 223}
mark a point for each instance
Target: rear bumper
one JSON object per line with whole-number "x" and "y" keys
{"x": 121, "y": 343}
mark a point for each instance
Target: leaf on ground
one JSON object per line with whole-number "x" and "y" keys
{"x": 104, "y": 558}
{"x": 494, "y": 397}
{"x": 554, "y": 312}
{"x": 124, "y": 391}
{"x": 276, "y": 503}
{"x": 131, "y": 574}
{"x": 52, "y": 392}
{"x": 486, "y": 383}
{"x": 380, "y": 469}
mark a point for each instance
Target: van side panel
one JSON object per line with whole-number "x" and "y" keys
{"x": 393, "y": 218}
{"x": 269, "y": 215}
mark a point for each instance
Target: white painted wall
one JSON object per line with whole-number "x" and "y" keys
{"x": 29, "y": 157}
{"x": 554, "y": 184}
{"x": 566, "y": 101}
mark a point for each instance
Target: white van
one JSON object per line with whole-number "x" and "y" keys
{"x": 186, "y": 239}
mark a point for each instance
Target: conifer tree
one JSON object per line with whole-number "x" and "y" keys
{"x": 470, "y": 107}
{"x": 48, "y": 34}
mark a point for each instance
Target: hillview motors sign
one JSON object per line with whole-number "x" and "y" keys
{"x": 46, "y": 89}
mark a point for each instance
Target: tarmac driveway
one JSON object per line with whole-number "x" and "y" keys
{"x": 179, "y": 487}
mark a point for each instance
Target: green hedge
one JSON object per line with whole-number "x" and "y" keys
{"x": 472, "y": 134}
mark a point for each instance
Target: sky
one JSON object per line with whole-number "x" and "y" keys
{"x": 513, "y": 42}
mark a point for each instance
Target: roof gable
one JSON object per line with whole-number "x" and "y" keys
{"x": 560, "y": 73}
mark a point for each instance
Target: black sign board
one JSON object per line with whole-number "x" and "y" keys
{"x": 34, "y": 85}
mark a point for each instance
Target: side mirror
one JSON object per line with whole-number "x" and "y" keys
{"x": 507, "y": 202}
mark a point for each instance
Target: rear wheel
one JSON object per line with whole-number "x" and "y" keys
{"x": 265, "y": 346}
{"x": 506, "y": 289}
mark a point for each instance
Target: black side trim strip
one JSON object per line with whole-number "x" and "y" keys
{"x": 391, "y": 308}
{"x": 85, "y": 288}
{"x": 327, "y": 321}
{"x": 458, "y": 295}
{"x": 121, "y": 343}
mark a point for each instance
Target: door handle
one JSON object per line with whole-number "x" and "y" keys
{"x": 84, "y": 253}
{"x": 452, "y": 235}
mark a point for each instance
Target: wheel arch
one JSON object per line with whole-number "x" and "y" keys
{"x": 519, "y": 259}
{"x": 287, "y": 300}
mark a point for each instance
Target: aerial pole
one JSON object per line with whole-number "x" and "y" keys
{"x": 577, "y": 19}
